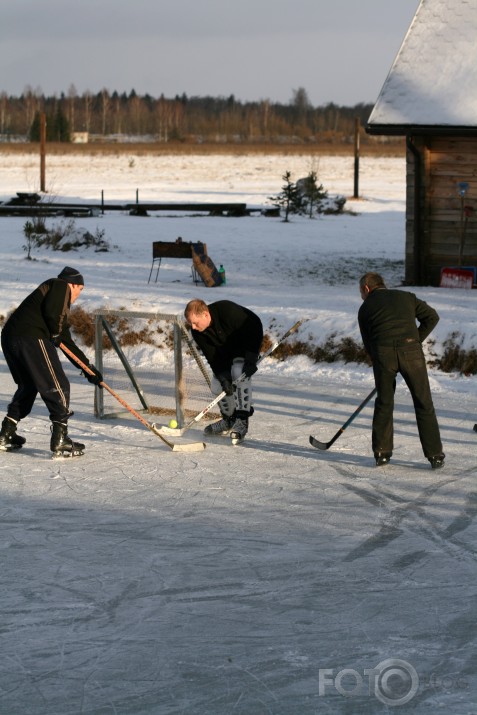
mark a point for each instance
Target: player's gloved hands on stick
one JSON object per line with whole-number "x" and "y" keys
{"x": 56, "y": 340}
{"x": 95, "y": 378}
{"x": 250, "y": 364}
{"x": 226, "y": 383}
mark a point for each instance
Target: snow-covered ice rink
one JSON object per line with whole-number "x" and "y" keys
{"x": 265, "y": 578}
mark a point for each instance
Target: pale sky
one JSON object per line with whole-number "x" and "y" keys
{"x": 338, "y": 50}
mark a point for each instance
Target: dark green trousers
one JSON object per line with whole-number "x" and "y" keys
{"x": 409, "y": 361}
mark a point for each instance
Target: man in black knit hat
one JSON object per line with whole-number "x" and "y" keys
{"x": 29, "y": 340}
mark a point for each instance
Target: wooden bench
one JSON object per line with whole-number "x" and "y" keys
{"x": 213, "y": 209}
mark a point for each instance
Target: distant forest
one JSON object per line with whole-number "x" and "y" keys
{"x": 108, "y": 115}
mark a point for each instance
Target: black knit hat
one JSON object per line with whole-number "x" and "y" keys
{"x": 71, "y": 275}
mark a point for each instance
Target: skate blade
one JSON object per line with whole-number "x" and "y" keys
{"x": 237, "y": 440}
{"x": 217, "y": 434}
{"x": 67, "y": 455}
{"x": 11, "y": 448}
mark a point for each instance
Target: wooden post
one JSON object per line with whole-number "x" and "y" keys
{"x": 42, "y": 150}
{"x": 179, "y": 374}
{"x": 356, "y": 158}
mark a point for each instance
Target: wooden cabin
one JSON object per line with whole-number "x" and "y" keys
{"x": 430, "y": 97}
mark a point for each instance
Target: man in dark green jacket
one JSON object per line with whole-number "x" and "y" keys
{"x": 392, "y": 338}
{"x": 29, "y": 341}
{"x": 230, "y": 336}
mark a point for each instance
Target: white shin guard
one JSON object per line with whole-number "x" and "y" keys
{"x": 242, "y": 397}
{"x": 227, "y": 403}
{"x": 243, "y": 388}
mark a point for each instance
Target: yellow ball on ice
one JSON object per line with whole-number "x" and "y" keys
{"x": 173, "y": 424}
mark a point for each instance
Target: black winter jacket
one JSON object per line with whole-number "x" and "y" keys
{"x": 388, "y": 317}
{"x": 233, "y": 331}
{"x": 43, "y": 314}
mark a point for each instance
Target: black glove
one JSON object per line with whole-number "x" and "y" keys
{"x": 56, "y": 340}
{"x": 225, "y": 380}
{"x": 250, "y": 364}
{"x": 95, "y": 378}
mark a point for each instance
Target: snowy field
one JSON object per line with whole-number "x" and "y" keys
{"x": 269, "y": 578}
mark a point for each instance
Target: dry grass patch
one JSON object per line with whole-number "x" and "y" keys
{"x": 372, "y": 147}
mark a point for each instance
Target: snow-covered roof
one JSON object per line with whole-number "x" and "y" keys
{"x": 433, "y": 80}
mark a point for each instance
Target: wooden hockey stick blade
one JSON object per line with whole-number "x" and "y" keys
{"x": 187, "y": 447}
{"x": 190, "y": 447}
{"x": 326, "y": 445}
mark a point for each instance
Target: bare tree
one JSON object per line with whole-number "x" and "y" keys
{"x": 265, "y": 108}
{"x": 162, "y": 112}
{"x": 136, "y": 109}
{"x": 88, "y": 105}
{"x": 117, "y": 113}
{"x": 32, "y": 104}
{"x": 105, "y": 105}
{"x": 72, "y": 94}
{"x": 3, "y": 112}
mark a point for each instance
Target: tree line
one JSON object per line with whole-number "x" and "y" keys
{"x": 182, "y": 118}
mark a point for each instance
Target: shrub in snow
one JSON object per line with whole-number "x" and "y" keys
{"x": 289, "y": 197}
{"x": 64, "y": 236}
{"x": 33, "y": 230}
{"x": 311, "y": 194}
{"x": 332, "y": 205}
{"x": 306, "y": 197}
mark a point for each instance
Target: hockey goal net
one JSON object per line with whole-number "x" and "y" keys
{"x": 150, "y": 360}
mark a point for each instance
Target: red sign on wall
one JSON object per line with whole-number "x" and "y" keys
{"x": 457, "y": 278}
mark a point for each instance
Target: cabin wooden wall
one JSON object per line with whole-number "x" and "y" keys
{"x": 444, "y": 219}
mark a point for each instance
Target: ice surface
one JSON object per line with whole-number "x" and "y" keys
{"x": 244, "y": 580}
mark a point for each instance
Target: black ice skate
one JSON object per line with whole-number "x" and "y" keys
{"x": 61, "y": 445}
{"x": 382, "y": 458}
{"x": 222, "y": 427}
{"x": 240, "y": 427}
{"x": 437, "y": 462}
{"x": 9, "y": 439}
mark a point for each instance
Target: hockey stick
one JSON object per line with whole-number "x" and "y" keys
{"x": 179, "y": 431}
{"x": 191, "y": 447}
{"x": 326, "y": 445}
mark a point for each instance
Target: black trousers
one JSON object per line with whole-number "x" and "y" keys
{"x": 409, "y": 361}
{"x": 36, "y": 369}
